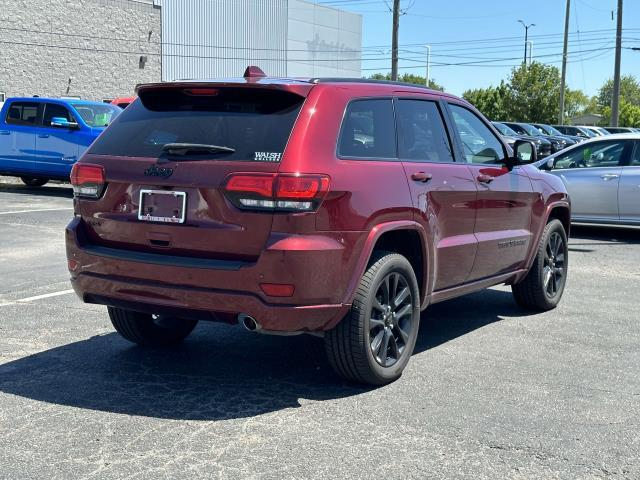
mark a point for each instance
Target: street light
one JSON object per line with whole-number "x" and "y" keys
{"x": 526, "y": 37}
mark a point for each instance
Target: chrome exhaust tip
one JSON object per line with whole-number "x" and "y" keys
{"x": 248, "y": 322}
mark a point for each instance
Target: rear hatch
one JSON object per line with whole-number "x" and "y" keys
{"x": 172, "y": 151}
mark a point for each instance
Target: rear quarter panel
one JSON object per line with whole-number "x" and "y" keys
{"x": 364, "y": 194}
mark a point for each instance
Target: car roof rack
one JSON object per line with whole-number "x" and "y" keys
{"x": 367, "y": 80}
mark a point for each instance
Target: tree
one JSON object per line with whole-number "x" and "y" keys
{"x": 576, "y": 102}
{"x": 533, "y": 93}
{"x": 490, "y": 101}
{"x": 629, "y": 91}
{"x": 408, "y": 78}
{"x": 629, "y": 114}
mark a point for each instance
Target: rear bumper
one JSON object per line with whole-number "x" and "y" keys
{"x": 316, "y": 265}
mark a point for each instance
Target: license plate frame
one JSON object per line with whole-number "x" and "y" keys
{"x": 149, "y": 217}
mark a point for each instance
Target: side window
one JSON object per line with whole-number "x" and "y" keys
{"x": 23, "y": 113}
{"x": 53, "y": 110}
{"x": 635, "y": 161}
{"x": 368, "y": 130}
{"x": 479, "y": 143}
{"x": 600, "y": 154}
{"x": 421, "y": 132}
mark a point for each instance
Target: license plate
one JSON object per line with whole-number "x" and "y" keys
{"x": 162, "y": 206}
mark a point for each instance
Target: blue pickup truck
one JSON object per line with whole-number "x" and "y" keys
{"x": 41, "y": 138}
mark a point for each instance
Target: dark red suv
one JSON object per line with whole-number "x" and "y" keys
{"x": 329, "y": 206}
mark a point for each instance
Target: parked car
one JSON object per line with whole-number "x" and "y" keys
{"x": 545, "y": 129}
{"x": 543, "y": 146}
{"x": 619, "y": 129}
{"x": 602, "y": 176}
{"x": 557, "y": 142}
{"x": 335, "y": 207}
{"x": 123, "y": 102}
{"x": 599, "y": 131}
{"x": 575, "y": 131}
{"x": 41, "y": 138}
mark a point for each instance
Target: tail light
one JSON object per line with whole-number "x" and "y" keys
{"x": 88, "y": 180}
{"x": 284, "y": 192}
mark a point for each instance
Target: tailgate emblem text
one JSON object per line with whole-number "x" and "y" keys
{"x": 155, "y": 171}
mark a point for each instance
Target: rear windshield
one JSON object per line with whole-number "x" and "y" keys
{"x": 255, "y": 123}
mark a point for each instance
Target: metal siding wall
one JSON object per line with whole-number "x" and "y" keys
{"x": 323, "y": 41}
{"x": 219, "y": 38}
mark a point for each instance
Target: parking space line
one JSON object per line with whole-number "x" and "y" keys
{"x": 37, "y": 297}
{"x": 37, "y": 210}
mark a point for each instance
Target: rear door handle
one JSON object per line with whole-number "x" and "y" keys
{"x": 43, "y": 135}
{"x": 5, "y": 132}
{"x": 421, "y": 177}
{"x": 482, "y": 178}
{"x": 609, "y": 176}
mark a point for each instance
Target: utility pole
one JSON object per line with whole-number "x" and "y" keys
{"x": 428, "y": 47}
{"x": 526, "y": 38}
{"x": 394, "y": 40}
{"x": 563, "y": 80}
{"x": 615, "y": 101}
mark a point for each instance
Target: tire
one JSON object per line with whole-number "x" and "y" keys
{"x": 542, "y": 288}
{"x": 355, "y": 346}
{"x": 34, "y": 181}
{"x": 150, "y": 330}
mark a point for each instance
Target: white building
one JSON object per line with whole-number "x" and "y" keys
{"x": 100, "y": 49}
{"x": 219, "y": 38}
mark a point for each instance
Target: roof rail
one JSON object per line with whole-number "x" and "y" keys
{"x": 367, "y": 80}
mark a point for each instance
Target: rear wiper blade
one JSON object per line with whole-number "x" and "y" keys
{"x": 187, "y": 148}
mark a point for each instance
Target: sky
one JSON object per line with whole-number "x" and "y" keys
{"x": 487, "y": 37}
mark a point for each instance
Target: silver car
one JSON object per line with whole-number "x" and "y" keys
{"x": 602, "y": 176}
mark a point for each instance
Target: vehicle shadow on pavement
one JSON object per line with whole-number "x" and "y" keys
{"x": 621, "y": 236}
{"x": 61, "y": 191}
{"x": 220, "y": 372}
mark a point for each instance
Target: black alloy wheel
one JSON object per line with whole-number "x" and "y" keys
{"x": 390, "y": 320}
{"x": 554, "y": 261}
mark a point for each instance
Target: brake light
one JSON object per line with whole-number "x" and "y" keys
{"x": 259, "y": 184}
{"x": 301, "y": 187}
{"x": 203, "y": 92}
{"x": 87, "y": 180}
{"x": 285, "y": 192}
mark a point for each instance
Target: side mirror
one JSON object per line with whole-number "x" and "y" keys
{"x": 524, "y": 152}
{"x": 62, "y": 122}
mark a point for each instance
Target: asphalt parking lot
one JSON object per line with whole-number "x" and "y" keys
{"x": 491, "y": 391}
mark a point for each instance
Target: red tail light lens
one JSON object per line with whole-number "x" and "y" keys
{"x": 292, "y": 193}
{"x": 301, "y": 187}
{"x": 278, "y": 289}
{"x": 261, "y": 185}
{"x": 202, "y": 92}
{"x": 88, "y": 180}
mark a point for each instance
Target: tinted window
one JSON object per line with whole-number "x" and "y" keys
{"x": 421, "y": 132}
{"x": 52, "y": 110}
{"x": 504, "y": 130}
{"x": 23, "y": 113}
{"x": 600, "y": 154}
{"x": 635, "y": 161}
{"x": 368, "y": 130}
{"x": 255, "y": 122}
{"x": 517, "y": 128}
{"x": 479, "y": 143}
